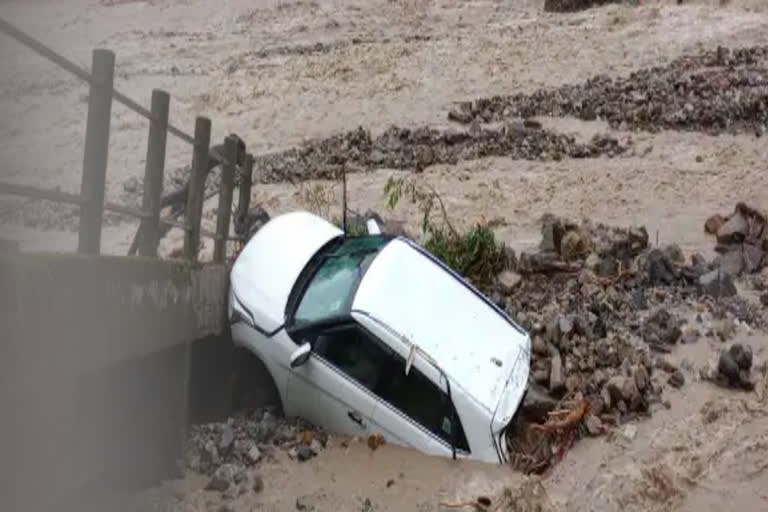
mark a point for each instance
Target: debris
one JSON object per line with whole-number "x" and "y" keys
{"x": 629, "y": 432}
{"x": 712, "y": 91}
{"x": 246, "y": 440}
{"x": 556, "y": 380}
{"x": 375, "y": 441}
{"x": 713, "y": 224}
{"x": 304, "y": 453}
{"x": 677, "y": 379}
{"x": 594, "y": 425}
{"x": 508, "y": 280}
{"x": 574, "y": 5}
{"x": 258, "y": 484}
{"x": 217, "y": 484}
{"x": 413, "y": 149}
{"x": 254, "y": 455}
{"x": 732, "y": 369}
{"x": 482, "y": 503}
{"x": 227, "y": 438}
{"x": 717, "y": 284}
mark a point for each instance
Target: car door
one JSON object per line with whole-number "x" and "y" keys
{"x": 412, "y": 410}
{"x": 334, "y": 388}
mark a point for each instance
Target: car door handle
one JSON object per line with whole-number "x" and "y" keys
{"x": 355, "y": 416}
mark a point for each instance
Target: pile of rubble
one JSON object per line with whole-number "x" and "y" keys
{"x": 224, "y": 451}
{"x": 592, "y": 292}
{"x": 603, "y": 307}
{"x": 715, "y": 91}
{"x": 402, "y": 148}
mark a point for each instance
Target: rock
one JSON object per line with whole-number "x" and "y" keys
{"x": 615, "y": 388}
{"x": 764, "y": 299}
{"x": 607, "y": 398}
{"x": 630, "y": 393}
{"x": 629, "y": 432}
{"x": 713, "y": 224}
{"x": 240, "y": 477}
{"x": 258, "y": 484}
{"x": 728, "y": 368}
{"x": 509, "y": 280}
{"x": 304, "y": 453}
{"x": 132, "y": 185}
{"x": 732, "y": 263}
{"x": 594, "y": 425}
{"x": 231, "y": 493}
{"x": 541, "y": 376}
{"x": 674, "y": 253}
{"x": 552, "y": 332}
{"x": 741, "y": 355}
{"x": 254, "y": 454}
{"x": 690, "y": 335}
{"x": 642, "y": 378}
{"x": 677, "y": 379}
{"x": 754, "y": 258}
{"x": 661, "y": 271}
{"x": 556, "y": 381}
{"x": 599, "y": 377}
{"x": 267, "y": 428}
{"x": 572, "y": 246}
{"x": 716, "y": 285}
{"x": 746, "y": 382}
{"x": 552, "y": 231}
{"x": 565, "y": 324}
{"x": 217, "y": 483}
{"x": 725, "y": 329}
{"x": 537, "y": 403}
{"x": 539, "y": 346}
{"x": 734, "y": 230}
{"x": 227, "y": 438}
{"x": 592, "y": 262}
{"x": 573, "y": 382}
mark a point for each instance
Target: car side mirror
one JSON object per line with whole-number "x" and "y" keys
{"x": 373, "y": 227}
{"x": 301, "y": 355}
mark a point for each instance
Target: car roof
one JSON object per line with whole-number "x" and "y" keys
{"x": 429, "y": 305}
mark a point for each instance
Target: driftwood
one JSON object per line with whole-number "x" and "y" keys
{"x": 177, "y": 199}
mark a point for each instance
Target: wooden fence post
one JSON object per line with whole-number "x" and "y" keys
{"x": 244, "y": 198}
{"x": 225, "y": 199}
{"x": 96, "y": 151}
{"x": 153, "y": 173}
{"x": 195, "y": 194}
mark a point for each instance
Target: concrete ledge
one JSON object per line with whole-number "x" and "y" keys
{"x": 99, "y": 359}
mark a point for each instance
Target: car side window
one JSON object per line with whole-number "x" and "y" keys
{"x": 424, "y": 402}
{"x": 362, "y": 357}
{"x": 350, "y": 350}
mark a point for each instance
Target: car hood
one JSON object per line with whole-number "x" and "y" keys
{"x": 267, "y": 268}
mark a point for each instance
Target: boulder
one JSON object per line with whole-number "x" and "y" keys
{"x": 716, "y": 284}
{"x": 734, "y": 230}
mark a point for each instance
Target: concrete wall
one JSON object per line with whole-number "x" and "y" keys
{"x": 97, "y": 359}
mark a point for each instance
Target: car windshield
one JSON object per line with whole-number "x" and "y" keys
{"x": 340, "y": 268}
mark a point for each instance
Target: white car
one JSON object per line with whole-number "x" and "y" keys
{"x": 372, "y": 334}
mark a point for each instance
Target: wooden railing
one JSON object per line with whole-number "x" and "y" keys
{"x": 91, "y": 198}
